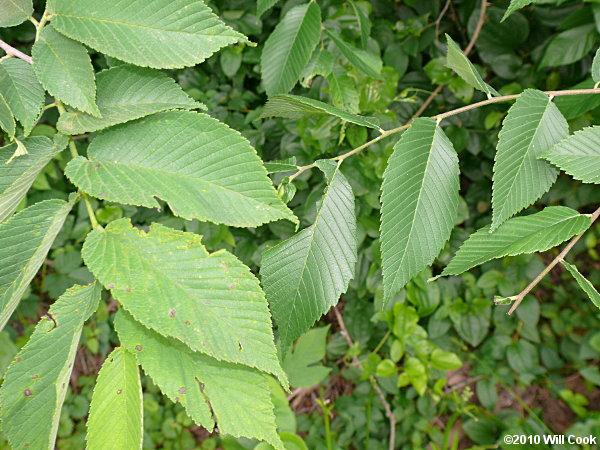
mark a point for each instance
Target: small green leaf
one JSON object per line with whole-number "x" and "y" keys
{"x": 295, "y": 107}
{"x": 527, "y": 234}
{"x": 578, "y": 155}
{"x": 169, "y": 282}
{"x": 264, "y": 5}
{"x": 289, "y": 48}
{"x": 14, "y": 12}
{"x": 573, "y": 106}
{"x": 417, "y": 374}
{"x": 583, "y": 283}
{"x": 343, "y": 91}
{"x": 281, "y": 165}
{"x": 363, "y": 23}
{"x": 150, "y": 33}
{"x": 115, "y": 420}
{"x": 127, "y": 93}
{"x": 514, "y": 5}
{"x": 37, "y": 380}
{"x": 64, "y": 68}
{"x": 596, "y": 67}
{"x": 302, "y": 363}
{"x": 24, "y": 243}
{"x": 444, "y": 360}
{"x": 533, "y": 125}
{"x": 7, "y": 120}
{"x": 458, "y": 61}
{"x": 364, "y": 61}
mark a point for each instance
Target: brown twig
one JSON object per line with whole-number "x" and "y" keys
{"x": 386, "y": 406}
{"x": 550, "y": 266}
{"x": 11, "y": 51}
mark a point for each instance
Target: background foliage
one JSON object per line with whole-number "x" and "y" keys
{"x": 457, "y": 371}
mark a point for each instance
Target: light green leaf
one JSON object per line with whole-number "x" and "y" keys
{"x": 444, "y": 360}
{"x": 237, "y": 397}
{"x": 281, "y": 165}
{"x": 533, "y": 125}
{"x": 289, "y": 48}
{"x": 7, "y": 121}
{"x": 127, "y": 93}
{"x": 24, "y": 242}
{"x": 583, "y": 283}
{"x": 115, "y": 420}
{"x": 578, "y": 155}
{"x": 305, "y": 275}
{"x": 264, "y": 5}
{"x": 302, "y": 363}
{"x": 295, "y": 107}
{"x": 151, "y": 33}
{"x": 169, "y": 282}
{"x": 514, "y": 5}
{"x": 419, "y": 203}
{"x": 64, "y": 68}
{"x": 363, "y": 23}
{"x": 570, "y": 46}
{"x": 343, "y": 91}
{"x": 458, "y": 61}
{"x": 527, "y": 234}
{"x": 14, "y": 12}
{"x": 202, "y": 168}
{"x": 17, "y": 176}
{"x": 364, "y": 61}
{"x": 22, "y": 91}
{"x": 37, "y": 380}
{"x": 596, "y": 67}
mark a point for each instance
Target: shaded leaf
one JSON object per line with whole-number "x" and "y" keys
{"x": 527, "y": 234}
{"x": 17, "y": 176}
{"x": 578, "y": 155}
{"x": 64, "y": 68}
{"x": 343, "y": 90}
{"x": 37, "y": 380}
{"x": 14, "y": 12}
{"x": 570, "y": 46}
{"x": 363, "y": 23}
{"x": 289, "y": 48}
{"x": 202, "y": 168}
{"x": 127, "y": 93}
{"x": 295, "y": 107}
{"x": 7, "y": 121}
{"x": 281, "y": 165}
{"x": 533, "y": 125}
{"x": 419, "y": 203}
{"x": 115, "y": 420}
{"x": 151, "y": 33}
{"x": 596, "y": 67}
{"x": 24, "y": 243}
{"x": 514, "y": 5}
{"x": 572, "y": 106}
{"x": 364, "y": 61}
{"x": 305, "y": 275}
{"x": 264, "y": 5}
{"x": 583, "y": 283}
{"x": 235, "y": 396}
{"x": 169, "y": 282}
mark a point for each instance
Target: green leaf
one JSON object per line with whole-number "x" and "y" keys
{"x": 363, "y": 23}
{"x": 570, "y": 46}
{"x": 533, "y": 125}
{"x": 528, "y": 234}
{"x": 573, "y": 106}
{"x": 115, "y": 420}
{"x": 302, "y": 363}
{"x": 202, "y": 168}
{"x": 64, "y": 68}
{"x": 289, "y": 48}
{"x": 264, "y": 5}
{"x": 417, "y": 374}
{"x": 17, "y": 176}
{"x": 151, "y": 33}
{"x": 458, "y": 61}
{"x": 343, "y": 90}
{"x": 127, "y": 93}
{"x": 22, "y": 91}
{"x": 419, "y": 203}
{"x": 444, "y": 360}
{"x": 296, "y": 107}
{"x": 236, "y": 397}
{"x": 169, "y": 282}
{"x": 281, "y": 165}
{"x": 578, "y": 155}
{"x": 364, "y": 61}
{"x": 514, "y": 5}
{"x": 7, "y": 121}
{"x": 37, "y": 380}
{"x": 14, "y": 12}
{"x": 24, "y": 242}
{"x": 305, "y": 275}
{"x": 583, "y": 283}
{"x": 596, "y": 67}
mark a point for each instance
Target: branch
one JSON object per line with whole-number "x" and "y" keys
{"x": 386, "y": 406}
{"x": 11, "y": 51}
{"x": 555, "y": 261}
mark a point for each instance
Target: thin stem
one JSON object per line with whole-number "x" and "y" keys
{"x": 550, "y": 266}
{"x": 386, "y": 406}
{"x": 383, "y": 341}
{"x": 11, "y": 51}
{"x": 41, "y": 24}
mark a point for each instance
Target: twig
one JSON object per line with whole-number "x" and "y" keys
{"x": 11, "y": 51}
{"x": 478, "y": 27}
{"x": 550, "y": 266}
{"x": 386, "y": 406}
